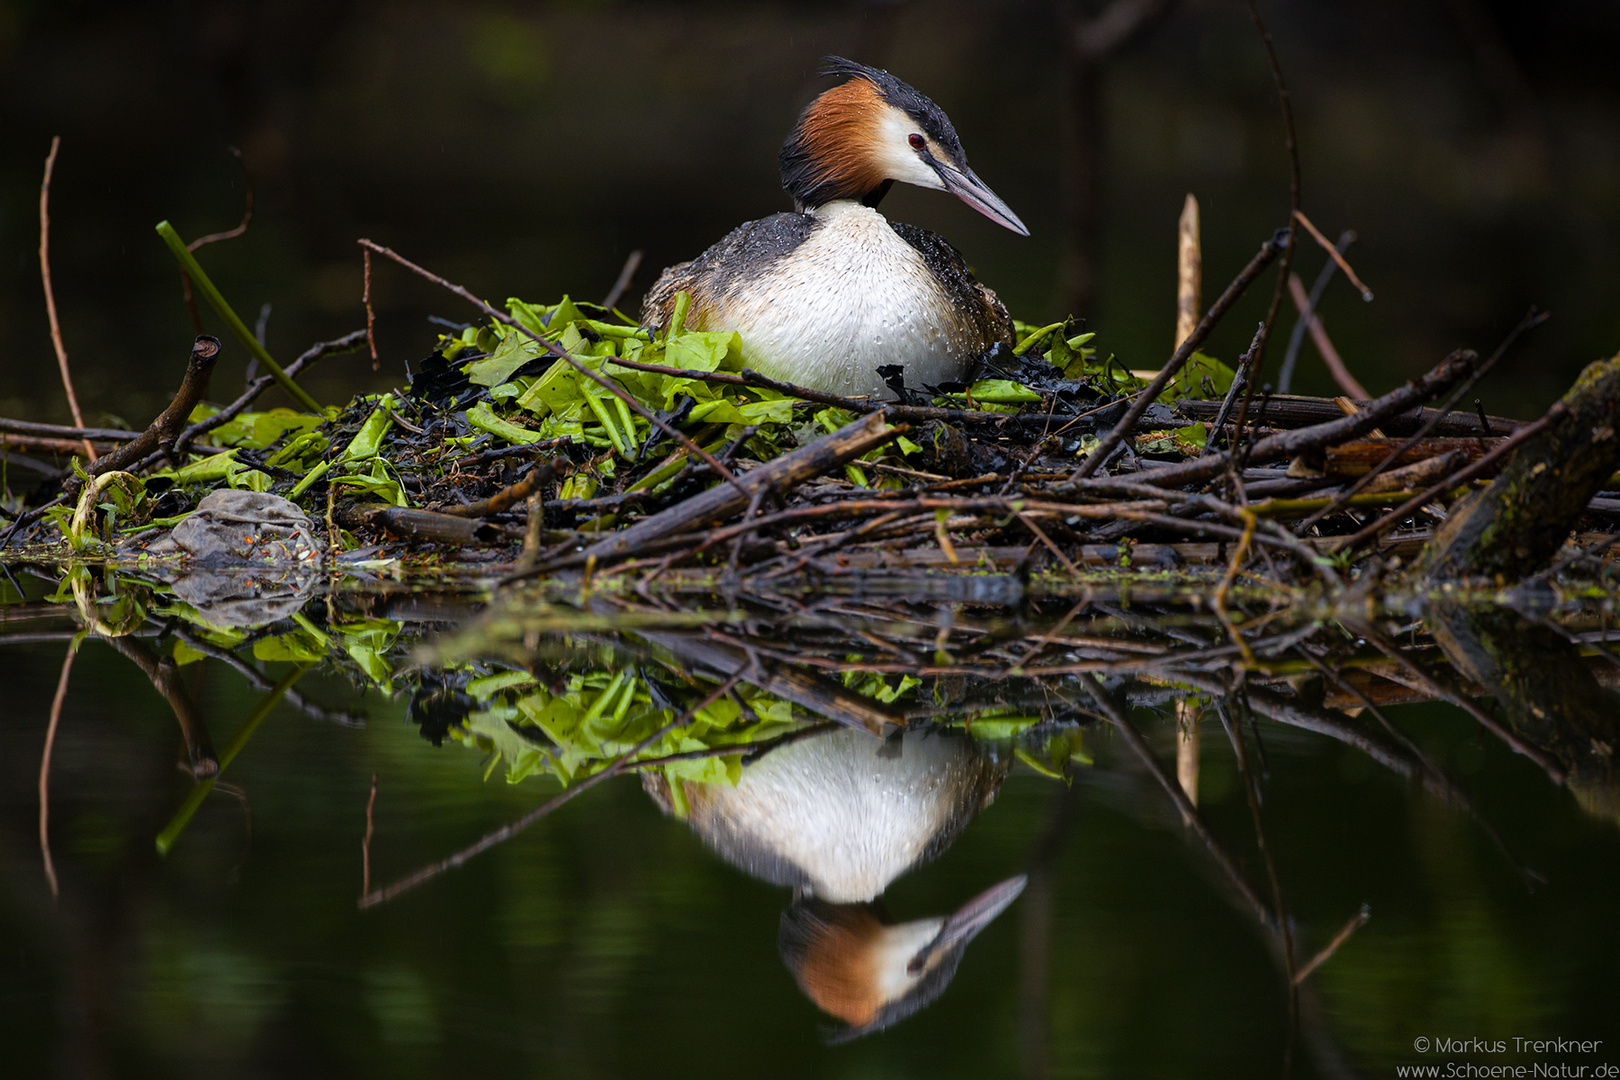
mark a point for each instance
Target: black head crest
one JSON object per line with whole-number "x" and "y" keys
{"x": 902, "y": 95}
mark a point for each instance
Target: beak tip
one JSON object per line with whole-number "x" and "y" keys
{"x": 967, "y": 186}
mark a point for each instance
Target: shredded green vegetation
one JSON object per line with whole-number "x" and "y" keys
{"x": 493, "y": 387}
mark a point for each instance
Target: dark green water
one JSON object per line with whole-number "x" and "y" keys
{"x": 607, "y": 940}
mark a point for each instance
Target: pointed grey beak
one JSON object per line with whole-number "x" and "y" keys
{"x": 969, "y": 919}
{"x": 965, "y": 185}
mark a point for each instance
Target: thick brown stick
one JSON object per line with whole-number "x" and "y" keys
{"x": 722, "y": 500}
{"x": 422, "y": 524}
{"x": 510, "y": 497}
{"x": 50, "y": 293}
{"x": 163, "y": 431}
{"x": 264, "y": 382}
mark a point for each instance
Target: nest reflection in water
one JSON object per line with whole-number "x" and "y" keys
{"x": 832, "y": 742}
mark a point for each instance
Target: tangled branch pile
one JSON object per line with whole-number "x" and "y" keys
{"x": 552, "y": 438}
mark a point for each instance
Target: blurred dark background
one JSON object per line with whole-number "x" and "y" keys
{"x": 526, "y": 149}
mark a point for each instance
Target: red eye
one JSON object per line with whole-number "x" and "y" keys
{"x": 917, "y": 141}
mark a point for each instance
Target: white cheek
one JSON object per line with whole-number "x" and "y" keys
{"x": 896, "y": 157}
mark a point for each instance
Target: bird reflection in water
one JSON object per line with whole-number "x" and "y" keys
{"x": 838, "y": 818}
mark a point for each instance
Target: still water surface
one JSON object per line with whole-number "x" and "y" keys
{"x": 611, "y": 939}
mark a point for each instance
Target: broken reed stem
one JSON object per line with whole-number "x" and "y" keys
{"x": 506, "y": 832}
{"x": 563, "y": 354}
{"x": 1189, "y": 270}
{"x": 50, "y": 293}
{"x": 1188, "y": 746}
{"x": 1150, "y": 393}
{"x": 45, "y": 759}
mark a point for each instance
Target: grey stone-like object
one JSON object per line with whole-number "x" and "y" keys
{"x": 231, "y": 527}
{"x": 251, "y": 558}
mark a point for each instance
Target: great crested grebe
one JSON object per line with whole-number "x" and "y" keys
{"x": 840, "y": 816}
{"x": 858, "y": 966}
{"x": 826, "y": 295}
{"x": 837, "y": 818}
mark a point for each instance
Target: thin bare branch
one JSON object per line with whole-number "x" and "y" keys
{"x": 50, "y": 292}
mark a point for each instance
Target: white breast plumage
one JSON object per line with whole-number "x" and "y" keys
{"x": 848, "y": 816}
{"x": 853, "y": 297}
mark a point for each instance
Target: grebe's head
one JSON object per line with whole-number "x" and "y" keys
{"x": 856, "y": 139}
{"x": 856, "y": 965}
